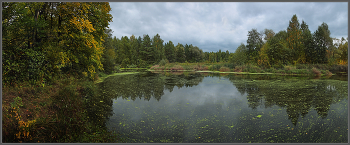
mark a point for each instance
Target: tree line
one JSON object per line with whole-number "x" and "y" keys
{"x": 140, "y": 52}
{"x": 296, "y": 45}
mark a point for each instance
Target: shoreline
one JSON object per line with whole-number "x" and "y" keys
{"x": 266, "y": 73}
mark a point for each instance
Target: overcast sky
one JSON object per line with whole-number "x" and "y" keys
{"x": 221, "y": 25}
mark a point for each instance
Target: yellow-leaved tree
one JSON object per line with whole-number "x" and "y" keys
{"x": 81, "y": 34}
{"x": 263, "y": 58}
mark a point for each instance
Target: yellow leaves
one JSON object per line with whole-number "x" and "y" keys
{"x": 85, "y": 74}
{"x": 63, "y": 58}
{"x": 343, "y": 62}
{"x": 24, "y": 128}
{"x": 91, "y": 70}
{"x": 87, "y": 24}
{"x": 81, "y": 23}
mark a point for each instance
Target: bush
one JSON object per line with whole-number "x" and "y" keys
{"x": 239, "y": 68}
{"x": 281, "y": 71}
{"x": 131, "y": 66}
{"x": 204, "y": 68}
{"x": 163, "y": 62}
{"x": 301, "y": 71}
{"x": 288, "y": 68}
{"x": 302, "y": 66}
{"x": 176, "y": 68}
{"x": 271, "y": 70}
{"x": 216, "y": 67}
{"x": 253, "y": 69}
{"x": 316, "y": 71}
{"x": 155, "y": 67}
{"x": 210, "y": 68}
{"x": 224, "y": 69}
{"x": 338, "y": 68}
{"x": 328, "y": 73}
{"x": 230, "y": 65}
{"x": 278, "y": 66}
{"x": 141, "y": 63}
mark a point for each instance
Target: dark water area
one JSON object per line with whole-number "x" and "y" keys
{"x": 226, "y": 108}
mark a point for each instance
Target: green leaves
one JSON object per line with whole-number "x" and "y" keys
{"x": 44, "y": 38}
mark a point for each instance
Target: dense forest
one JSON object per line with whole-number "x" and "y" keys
{"x": 41, "y": 40}
{"x": 296, "y": 45}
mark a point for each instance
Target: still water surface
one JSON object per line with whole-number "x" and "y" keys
{"x": 194, "y": 107}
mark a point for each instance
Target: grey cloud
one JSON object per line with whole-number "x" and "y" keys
{"x": 213, "y": 26}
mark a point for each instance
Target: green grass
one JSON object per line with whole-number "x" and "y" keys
{"x": 104, "y": 76}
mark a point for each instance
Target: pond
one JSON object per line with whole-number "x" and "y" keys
{"x": 227, "y": 108}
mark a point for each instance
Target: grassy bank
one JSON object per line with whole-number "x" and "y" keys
{"x": 68, "y": 110}
{"x": 300, "y": 69}
{"x": 103, "y": 76}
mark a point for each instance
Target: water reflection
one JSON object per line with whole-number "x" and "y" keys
{"x": 227, "y": 108}
{"x": 298, "y": 97}
{"x": 148, "y": 85}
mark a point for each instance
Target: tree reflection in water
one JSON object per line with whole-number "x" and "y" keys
{"x": 227, "y": 119}
{"x": 298, "y": 97}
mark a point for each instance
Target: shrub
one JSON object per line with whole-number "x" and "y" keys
{"x": 338, "y": 68}
{"x": 155, "y": 67}
{"x": 301, "y": 66}
{"x": 300, "y": 71}
{"x": 252, "y": 69}
{"x": 272, "y": 70}
{"x": 216, "y": 67}
{"x": 288, "y": 68}
{"x": 210, "y": 68}
{"x": 163, "y": 62}
{"x": 204, "y": 68}
{"x": 196, "y": 68}
{"x": 281, "y": 71}
{"x": 239, "y": 68}
{"x": 316, "y": 71}
{"x": 176, "y": 68}
{"x": 131, "y": 66}
{"x": 224, "y": 69}
{"x": 328, "y": 73}
{"x": 230, "y": 65}
{"x": 278, "y": 66}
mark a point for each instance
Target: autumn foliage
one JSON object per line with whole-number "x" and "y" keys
{"x": 59, "y": 37}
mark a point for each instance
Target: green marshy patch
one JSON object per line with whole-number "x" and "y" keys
{"x": 301, "y": 70}
{"x": 103, "y": 76}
